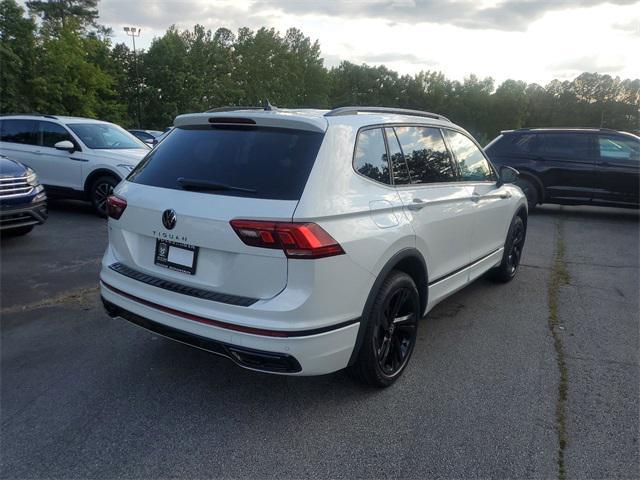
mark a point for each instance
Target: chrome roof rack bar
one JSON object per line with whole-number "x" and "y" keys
{"x": 336, "y": 112}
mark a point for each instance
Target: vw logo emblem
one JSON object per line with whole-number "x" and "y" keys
{"x": 169, "y": 219}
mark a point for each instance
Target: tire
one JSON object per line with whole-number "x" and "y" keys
{"x": 508, "y": 268}
{"x": 100, "y": 189}
{"x": 387, "y": 346}
{"x": 530, "y": 191}
{"x": 16, "y": 232}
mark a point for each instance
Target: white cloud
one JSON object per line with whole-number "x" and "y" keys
{"x": 525, "y": 40}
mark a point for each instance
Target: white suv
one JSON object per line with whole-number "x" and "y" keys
{"x": 302, "y": 242}
{"x": 73, "y": 157}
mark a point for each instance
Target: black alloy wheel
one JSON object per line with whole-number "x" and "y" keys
{"x": 395, "y": 336}
{"x": 515, "y": 248}
{"x": 391, "y": 331}
{"x": 100, "y": 191}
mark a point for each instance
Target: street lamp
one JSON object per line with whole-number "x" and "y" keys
{"x": 133, "y": 33}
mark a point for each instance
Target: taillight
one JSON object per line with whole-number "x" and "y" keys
{"x": 115, "y": 206}
{"x": 297, "y": 240}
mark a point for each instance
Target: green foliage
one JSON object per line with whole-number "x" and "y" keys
{"x": 66, "y": 65}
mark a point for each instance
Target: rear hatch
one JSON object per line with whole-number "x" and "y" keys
{"x": 207, "y": 175}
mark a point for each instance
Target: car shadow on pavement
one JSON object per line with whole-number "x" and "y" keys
{"x": 587, "y": 213}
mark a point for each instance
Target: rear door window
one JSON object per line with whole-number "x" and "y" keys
{"x": 473, "y": 165}
{"x": 272, "y": 162}
{"x": 18, "y": 131}
{"x": 370, "y": 158}
{"x": 426, "y": 155}
{"x": 570, "y": 146}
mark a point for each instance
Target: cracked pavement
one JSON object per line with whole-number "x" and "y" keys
{"x": 86, "y": 396}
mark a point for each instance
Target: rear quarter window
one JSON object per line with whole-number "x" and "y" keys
{"x": 274, "y": 162}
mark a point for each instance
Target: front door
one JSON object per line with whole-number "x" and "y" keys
{"x": 57, "y": 168}
{"x": 491, "y": 204}
{"x": 618, "y": 169}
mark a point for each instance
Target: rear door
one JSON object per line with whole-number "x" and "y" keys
{"x": 439, "y": 207}
{"x": 618, "y": 169}
{"x": 265, "y": 170}
{"x": 18, "y": 141}
{"x": 569, "y": 165}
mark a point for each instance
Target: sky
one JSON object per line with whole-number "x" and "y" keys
{"x": 518, "y": 39}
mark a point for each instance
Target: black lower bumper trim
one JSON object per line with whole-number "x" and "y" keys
{"x": 245, "y": 357}
{"x": 23, "y": 215}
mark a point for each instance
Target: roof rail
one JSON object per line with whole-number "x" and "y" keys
{"x": 524, "y": 129}
{"x": 336, "y": 112}
{"x": 29, "y": 114}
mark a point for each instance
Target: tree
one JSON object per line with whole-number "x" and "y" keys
{"x": 17, "y": 40}
{"x": 57, "y": 15}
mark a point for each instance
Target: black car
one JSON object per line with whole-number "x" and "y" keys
{"x": 150, "y": 137}
{"x": 572, "y": 166}
{"x": 23, "y": 202}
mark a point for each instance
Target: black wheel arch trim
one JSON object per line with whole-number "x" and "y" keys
{"x": 392, "y": 263}
{"x": 100, "y": 172}
{"x": 525, "y": 174}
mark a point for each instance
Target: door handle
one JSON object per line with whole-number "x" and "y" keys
{"x": 418, "y": 204}
{"x": 475, "y": 197}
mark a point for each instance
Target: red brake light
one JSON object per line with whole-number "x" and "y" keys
{"x": 297, "y": 240}
{"x": 115, "y": 206}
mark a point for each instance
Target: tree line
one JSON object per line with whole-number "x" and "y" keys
{"x": 55, "y": 58}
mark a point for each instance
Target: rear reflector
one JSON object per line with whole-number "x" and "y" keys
{"x": 115, "y": 206}
{"x": 296, "y": 240}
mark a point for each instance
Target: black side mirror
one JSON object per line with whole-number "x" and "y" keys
{"x": 507, "y": 175}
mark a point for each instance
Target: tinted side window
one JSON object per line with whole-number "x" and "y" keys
{"x": 398, "y": 164}
{"x": 370, "y": 158}
{"x": 51, "y": 133}
{"x": 426, "y": 155}
{"x": 471, "y": 161}
{"x": 566, "y": 145}
{"x": 614, "y": 147}
{"x": 18, "y": 131}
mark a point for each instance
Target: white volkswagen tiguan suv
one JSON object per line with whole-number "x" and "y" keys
{"x": 302, "y": 242}
{"x": 73, "y": 157}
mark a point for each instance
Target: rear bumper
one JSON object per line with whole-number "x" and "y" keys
{"x": 245, "y": 357}
{"x": 289, "y": 353}
{"x": 22, "y": 215}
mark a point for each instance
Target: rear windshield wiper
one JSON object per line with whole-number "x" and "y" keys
{"x": 204, "y": 185}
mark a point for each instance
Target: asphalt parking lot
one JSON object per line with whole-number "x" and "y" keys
{"x": 497, "y": 372}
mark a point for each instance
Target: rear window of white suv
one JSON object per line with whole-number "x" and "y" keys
{"x": 258, "y": 162}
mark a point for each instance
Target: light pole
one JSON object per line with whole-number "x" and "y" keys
{"x": 133, "y": 33}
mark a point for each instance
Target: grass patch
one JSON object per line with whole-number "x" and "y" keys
{"x": 559, "y": 277}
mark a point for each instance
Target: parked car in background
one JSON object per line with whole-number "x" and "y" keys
{"x": 149, "y": 137}
{"x": 302, "y": 242}
{"x": 572, "y": 166}
{"x": 73, "y": 157}
{"x": 23, "y": 201}
{"x": 164, "y": 134}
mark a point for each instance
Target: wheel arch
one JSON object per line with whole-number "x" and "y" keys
{"x": 99, "y": 172}
{"x": 535, "y": 180}
{"x": 408, "y": 260}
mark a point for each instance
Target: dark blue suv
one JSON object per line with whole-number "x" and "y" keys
{"x": 23, "y": 202}
{"x": 572, "y": 166}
